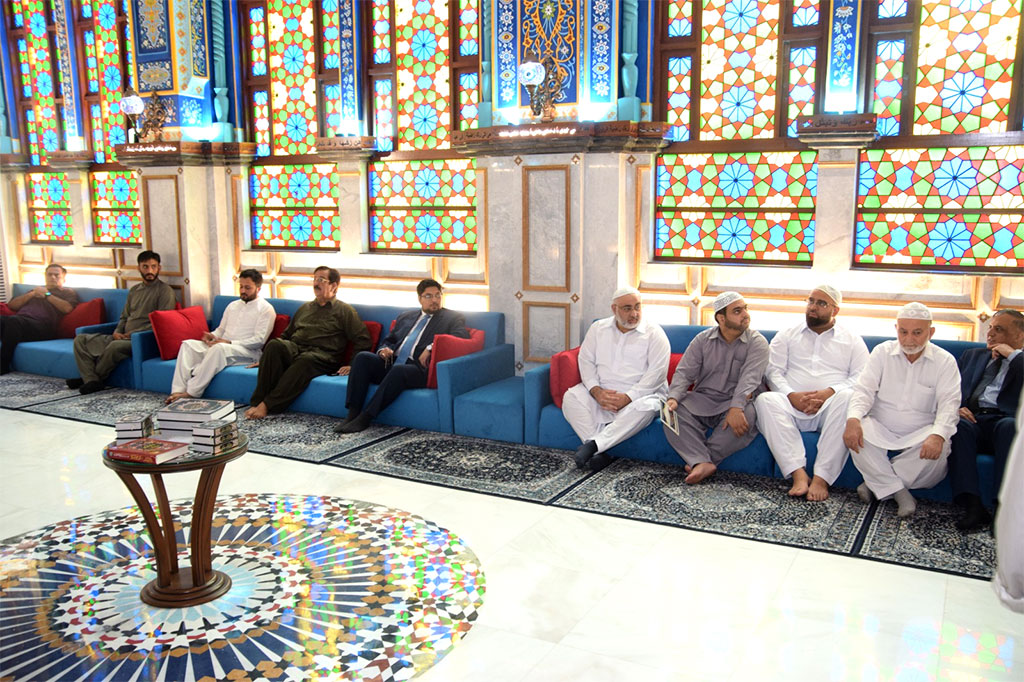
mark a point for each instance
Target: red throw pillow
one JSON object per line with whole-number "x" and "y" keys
{"x": 5, "y": 310}
{"x": 565, "y": 373}
{"x": 171, "y": 327}
{"x": 673, "y": 362}
{"x": 281, "y": 322}
{"x": 375, "y": 329}
{"x": 88, "y": 312}
{"x": 447, "y": 347}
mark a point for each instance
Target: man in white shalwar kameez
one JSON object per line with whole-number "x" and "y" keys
{"x": 812, "y": 368}
{"x": 906, "y": 398}
{"x": 244, "y": 328}
{"x": 623, "y": 365}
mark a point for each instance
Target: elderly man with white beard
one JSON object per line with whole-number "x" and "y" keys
{"x": 623, "y": 365}
{"x": 907, "y": 399}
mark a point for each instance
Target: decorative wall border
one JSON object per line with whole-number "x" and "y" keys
{"x": 527, "y": 283}
{"x": 527, "y": 305}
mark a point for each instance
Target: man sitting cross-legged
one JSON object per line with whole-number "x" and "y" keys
{"x": 811, "y": 370}
{"x": 623, "y": 362}
{"x": 313, "y": 344}
{"x": 402, "y": 360}
{"x": 38, "y": 313}
{"x": 244, "y": 328}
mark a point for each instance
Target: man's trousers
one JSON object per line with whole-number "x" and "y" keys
{"x": 369, "y": 368}
{"x": 198, "y": 364}
{"x": 781, "y": 425}
{"x": 886, "y": 476}
{"x": 607, "y": 429}
{"x": 285, "y": 372}
{"x": 692, "y": 445}
{"x": 98, "y": 355}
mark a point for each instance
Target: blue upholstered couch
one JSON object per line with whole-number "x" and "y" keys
{"x": 545, "y": 425}
{"x": 423, "y": 408}
{"x": 55, "y": 358}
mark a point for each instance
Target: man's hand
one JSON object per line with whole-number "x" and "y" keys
{"x": 39, "y": 292}
{"x": 966, "y": 413}
{"x": 118, "y": 336}
{"x": 672, "y": 404}
{"x": 853, "y": 436}
{"x": 424, "y": 358}
{"x": 386, "y": 353}
{"x": 613, "y": 401}
{"x": 737, "y": 421}
{"x": 344, "y": 370}
{"x": 1003, "y": 349}
{"x": 798, "y": 399}
{"x": 932, "y": 447}
{"x": 809, "y": 402}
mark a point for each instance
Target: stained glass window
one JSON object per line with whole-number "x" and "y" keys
{"x": 680, "y": 17}
{"x": 115, "y": 201}
{"x": 294, "y": 206}
{"x": 49, "y": 208}
{"x": 959, "y": 208}
{"x": 887, "y": 92}
{"x": 748, "y": 206}
{"x": 805, "y": 12}
{"x": 802, "y": 62}
{"x": 966, "y": 51}
{"x": 678, "y": 112}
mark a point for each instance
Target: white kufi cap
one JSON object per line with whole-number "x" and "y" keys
{"x": 625, "y": 291}
{"x": 831, "y": 292}
{"x": 724, "y": 299}
{"x": 914, "y": 311}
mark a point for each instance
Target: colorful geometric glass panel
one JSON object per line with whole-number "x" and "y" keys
{"x": 49, "y": 208}
{"x": 450, "y": 183}
{"x": 422, "y": 75}
{"x": 738, "y": 69}
{"x": 469, "y": 30}
{"x": 469, "y": 100}
{"x": 805, "y": 13}
{"x": 960, "y": 240}
{"x": 680, "y": 18}
{"x": 964, "y": 178}
{"x": 24, "y": 68}
{"x": 892, "y": 9}
{"x": 117, "y": 227}
{"x": 331, "y": 95}
{"x": 295, "y": 206}
{"x": 258, "y": 41}
{"x": 965, "y": 61}
{"x": 115, "y": 202}
{"x": 887, "y": 94}
{"x": 423, "y": 230}
{"x": 19, "y": 18}
{"x": 261, "y": 121}
{"x": 381, "y": 31}
{"x": 91, "y": 70}
{"x": 107, "y": 45}
{"x": 752, "y": 180}
{"x": 293, "y": 96}
{"x": 678, "y": 112}
{"x": 295, "y": 229}
{"x": 331, "y": 32}
{"x": 730, "y": 235}
{"x": 44, "y": 133}
{"x": 383, "y": 115}
{"x": 801, "y": 85}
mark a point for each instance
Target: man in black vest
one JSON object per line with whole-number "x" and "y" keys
{"x": 990, "y": 386}
{"x": 402, "y": 360}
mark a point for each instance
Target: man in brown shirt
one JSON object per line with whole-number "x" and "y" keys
{"x": 38, "y": 314}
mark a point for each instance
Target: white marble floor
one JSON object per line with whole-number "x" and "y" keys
{"x": 574, "y": 596}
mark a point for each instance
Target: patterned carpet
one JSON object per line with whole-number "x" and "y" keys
{"x": 19, "y": 390}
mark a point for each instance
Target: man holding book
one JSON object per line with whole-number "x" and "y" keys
{"x": 37, "y": 314}
{"x": 238, "y": 340}
{"x": 97, "y": 355}
{"x": 313, "y": 344}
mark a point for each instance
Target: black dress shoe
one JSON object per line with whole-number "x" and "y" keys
{"x": 74, "y": 383}
{"x": 600, "y": 461}
{"x": 584, "y": 453}
{"x": 356, "y": 425}
{"x": 90, "y": 387}
{"x": 348, "y": 420}
{"x": 975, "y": 517}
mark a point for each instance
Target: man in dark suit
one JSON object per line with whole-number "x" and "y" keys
{"x": 990, "y": 386}
{"x": 401, "y": 361}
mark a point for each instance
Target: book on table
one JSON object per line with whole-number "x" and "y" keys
{"x": 194, "y": 410}
{"x": 218, "y": 448}
{"x": 147, "y": 450}
{"x": 215, "y": 427}
{"x": 133, "y": 425}
{"x": 215, "y": 440}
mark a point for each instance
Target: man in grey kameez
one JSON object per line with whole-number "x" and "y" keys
{"x": 725, "y": 364}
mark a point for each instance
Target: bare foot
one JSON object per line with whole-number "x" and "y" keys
{"x": 799, "y": 488}
{"x": 818, "y": 491}
{"x": 258, "y": 412}
{"x": 701, "y": 471}
{"x": 176, "y": 396}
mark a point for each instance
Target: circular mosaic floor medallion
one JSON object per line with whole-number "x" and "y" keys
{"x": 322, "y": 588}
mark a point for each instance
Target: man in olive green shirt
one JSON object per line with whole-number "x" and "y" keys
{"x": 313, "y": 344}
{"x": 97, "y": 355}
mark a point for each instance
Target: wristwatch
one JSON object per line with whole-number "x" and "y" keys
{"x": 48, "y": 293}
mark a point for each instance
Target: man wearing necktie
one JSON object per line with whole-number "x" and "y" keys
{"x": 402, "y": 360}
{"x": 990, "y": 386}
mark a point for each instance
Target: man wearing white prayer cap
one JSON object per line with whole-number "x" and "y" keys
{"x": 812, "y": 368}
{"x": 906, "y": 399}
{"x": 623, "y": 365}
{"x": 724, "y": 364}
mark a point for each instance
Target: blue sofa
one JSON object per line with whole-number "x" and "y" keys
{"x": 424, "y": 408}
{"x": 55, "y": 358}
{"x": 545, "y": 426}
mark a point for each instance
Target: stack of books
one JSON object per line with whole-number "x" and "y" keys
{"x": 215, "y": 436}
{"x": 178, "y": 418}
{"x": 147, "y": 450}
{"x": 134, "y": 425}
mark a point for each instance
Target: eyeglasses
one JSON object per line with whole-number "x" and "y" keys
{"x": 819, "y": 303}
{"x": 431, "y": 297}
{"x": 321, "y": 280}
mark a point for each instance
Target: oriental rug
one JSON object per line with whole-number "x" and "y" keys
{"x": 307, "y": 437}
{"x": 18, "y": 390}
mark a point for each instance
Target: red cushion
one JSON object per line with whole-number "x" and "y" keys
{"x": 6, "y": 310}
{"x": 171, "y": 327}
{"x": 375, "y": 329}
{"x": 88, "y": 312}
{"x": 447, "y": 347}
{"x": 281, "y": 322}
{"x": 565, "y": 373}
{"x": 673, "y": 362}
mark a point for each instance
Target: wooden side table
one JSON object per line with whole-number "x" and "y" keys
{"x": 175, "y": 586}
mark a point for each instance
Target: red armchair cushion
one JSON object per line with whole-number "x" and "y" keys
{"x": 375, "y": 329}
{"x": 281, "y": 322}
{"x": 5, "y": 310}
{"x": 171, "y": 327}
{"x": 565, "y": 373}
{"x": 88, "y": 312}
{"x": 673, "y": 362}
{"x": 447, "y": 347}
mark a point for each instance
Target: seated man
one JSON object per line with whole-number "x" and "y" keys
{"x": 905, "y": 399}
{"x": 244, "y": 328}
{"x": 990, "y": 386}
{"x": 811, "y": 369}
{"x": 97, "y": 355}
{"x": 724, "y": 364}
{"x": 623, "y": 362}
{"x": 313, "y": 344}
{"x": 402, "y": 360}
{"x": 38, "y": 314}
